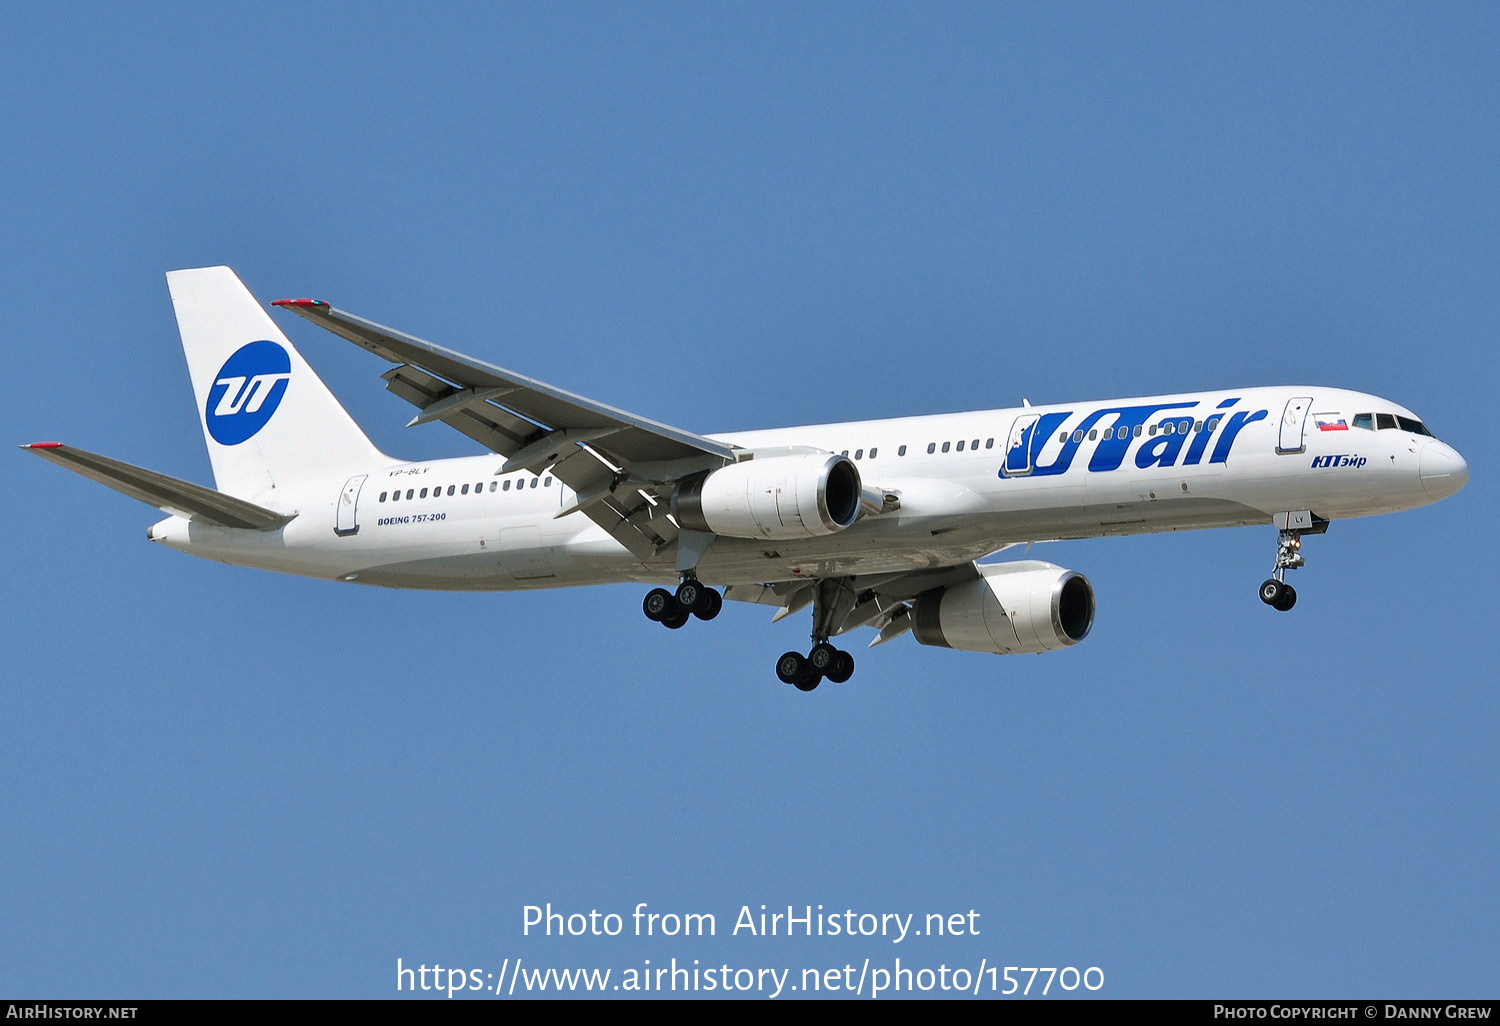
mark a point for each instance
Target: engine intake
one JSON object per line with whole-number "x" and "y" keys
{"x": 780, "y": 497}
{"x": 1014, "y": 607}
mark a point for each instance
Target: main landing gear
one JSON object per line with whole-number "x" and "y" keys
{"x": 693, "y": 598}
{"x": 805, "y": 672}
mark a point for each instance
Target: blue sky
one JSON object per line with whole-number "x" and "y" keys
{"x": 221, "y": 782}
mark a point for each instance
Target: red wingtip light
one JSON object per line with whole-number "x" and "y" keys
{"x": 45, "y": 445}
{"x": 298, "y": 302}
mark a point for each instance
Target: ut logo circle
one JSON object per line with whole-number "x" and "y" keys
{"x": 246, "y": 391}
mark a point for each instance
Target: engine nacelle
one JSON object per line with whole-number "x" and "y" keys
{"x": 1014, "y": 607}
{"x": 782, "y": 497}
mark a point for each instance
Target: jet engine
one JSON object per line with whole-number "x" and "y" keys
{"x": 781, "y": 497}
{"x": 1014, "y": 607}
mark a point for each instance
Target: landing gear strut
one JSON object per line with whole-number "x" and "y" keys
{"x": 823, "y": 660}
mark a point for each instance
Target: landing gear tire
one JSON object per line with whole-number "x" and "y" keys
{"x": 659, "y": 605}
{"x": 675, "y": 621}
{"x": 691, "y": 595}
{"x": 709, "y": 607}
{"x": 843, "y": 668}
{"x": 1272, "y": 590}
{"x": 823, "y": 657}
{"x": 791, "y": 667}
{"x": 1287, "y": 600}
{"x": 808, "y": 681}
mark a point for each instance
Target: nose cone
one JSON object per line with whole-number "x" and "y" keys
{"x": 1443, "y": 470}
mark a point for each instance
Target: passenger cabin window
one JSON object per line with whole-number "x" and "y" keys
{"x": 989, "y": 443}
{"x": 960, "y": 445}
{"x": 946, "y": 445}
{"x": 408, "y": 493}
{"x": 873, "y": 452}
{"x": 859, "y": 454}
{"x": 424, "y": 493}
{"x": 382, "y": 496}
{"x": 931, "y": 448}
{"x": 1365, "y": 420}
{"x": 507, "y": 484}
{"x": 901, "y": 451}
{"x": 464, "y": 490}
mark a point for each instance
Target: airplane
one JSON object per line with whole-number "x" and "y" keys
{"x": 882, "y": 523}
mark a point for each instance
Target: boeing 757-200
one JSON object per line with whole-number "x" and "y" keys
{"x": 877, "y": 523}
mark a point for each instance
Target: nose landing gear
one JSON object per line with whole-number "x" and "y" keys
{"x": 1274, "y": 591}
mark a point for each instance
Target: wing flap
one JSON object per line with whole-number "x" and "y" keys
{"x": 168, "y": 494}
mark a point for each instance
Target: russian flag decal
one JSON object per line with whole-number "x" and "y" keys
{"x": 1330, "y": 422}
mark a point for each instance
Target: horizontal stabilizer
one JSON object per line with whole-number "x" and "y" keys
{"x": 180, "y": 498}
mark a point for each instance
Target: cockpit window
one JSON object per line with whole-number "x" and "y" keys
{"x": 1416, "y": 427}
{"x": 1365, "y": 420}
{"x": 1385, "y": 420}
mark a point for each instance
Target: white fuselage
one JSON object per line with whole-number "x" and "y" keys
{"x": 968, "y": 484}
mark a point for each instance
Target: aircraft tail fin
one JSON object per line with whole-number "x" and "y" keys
{"x": 268, "y": 419}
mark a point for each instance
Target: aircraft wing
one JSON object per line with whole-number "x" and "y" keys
{"x": 168, "y": 494}
{"x": 620, "y": 465}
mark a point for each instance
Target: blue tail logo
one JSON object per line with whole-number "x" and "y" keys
{"x": 246, "y": 391}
